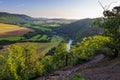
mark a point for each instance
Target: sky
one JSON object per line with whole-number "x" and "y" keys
{"x": 71, "y": 9}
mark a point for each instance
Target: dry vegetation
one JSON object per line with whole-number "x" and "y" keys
{"x": 7, "y": 30}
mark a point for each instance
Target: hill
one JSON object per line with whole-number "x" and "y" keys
{"x": 79, "y": 29}
{"x": 14, "y": 18}
{"x": 23, "y": 19}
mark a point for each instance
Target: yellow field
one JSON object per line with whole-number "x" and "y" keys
{"x": 7, "y": 30}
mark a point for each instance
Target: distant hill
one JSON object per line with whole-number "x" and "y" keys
{"x": 22, "y": 19}
{"x": 53, "y": 21}
{"x": 14, "y": 18}
{"x": 79, "y": 29}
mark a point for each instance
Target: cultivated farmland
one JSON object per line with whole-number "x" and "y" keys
{"x": 7, "y": 30}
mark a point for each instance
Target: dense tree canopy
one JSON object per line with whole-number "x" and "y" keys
{"x": 111, "y": 27}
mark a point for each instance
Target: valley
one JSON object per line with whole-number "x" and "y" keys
{"x": 58, "y": 48}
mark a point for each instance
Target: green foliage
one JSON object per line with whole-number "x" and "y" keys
{"x": 12, "y": 38}
{"x": 42, "y": 28}
{"x": 78, "y": 30}
{"x": 76, "y": 77}
{"x": 22, "y": 63}
{"x": 107, "y": 52}
{"x": 88, "y": 46}
{"x": 73, "y": 57}
{"x": 2, "y": 65}
{"x": 111, "y": 27}
{"x": 38, "y": 69}
{"x": 60, "y": 56}
{"x": 48, "y": 63}
{"x": 14, "y": 18}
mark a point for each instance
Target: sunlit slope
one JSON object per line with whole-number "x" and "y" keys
{"x": 7, "y": 30}
{"x": 41, "y": 48}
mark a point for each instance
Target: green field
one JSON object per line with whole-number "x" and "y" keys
{"x": 39, "y": 27}
{"x": 12, "y": 38}
{"x": 42, "y": 28}
{"x": 45, "y": 38}
{"x": 41, "y": 48}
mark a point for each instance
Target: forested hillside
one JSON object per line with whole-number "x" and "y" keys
{"x": 14, "y": 18}
{"x": 79, "y": 29}
{"x": 21, "y": 19}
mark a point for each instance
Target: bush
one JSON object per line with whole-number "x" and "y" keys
{"x": 77, "y": 77}
{"x": 107, "y": 52}
{"x": 22, "y": 63}
{"x": 88, "y": 46}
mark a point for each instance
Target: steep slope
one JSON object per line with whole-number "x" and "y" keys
{"x": 79, "y": 29}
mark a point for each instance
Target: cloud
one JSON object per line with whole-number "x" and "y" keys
{"x": 20, "y": 5}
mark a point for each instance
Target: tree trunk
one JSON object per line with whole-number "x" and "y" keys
{"x": 66, "y": 60}
{"x": 115, "y": 53}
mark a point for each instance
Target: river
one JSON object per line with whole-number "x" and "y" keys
{"x": 69, "y": 45}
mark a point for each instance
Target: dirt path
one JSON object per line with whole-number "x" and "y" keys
{"x": 68, "y": 71}
{"x": 109, "y": 72}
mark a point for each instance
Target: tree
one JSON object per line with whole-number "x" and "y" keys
{"x": 21, "y": 63}
{"x": 88, "y": 46}
{"x": 59, "y": 57}
{"x": 111, "y": 28}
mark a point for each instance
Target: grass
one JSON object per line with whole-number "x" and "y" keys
{"x": 44, "y": 37}
{"x": 56, "y": 38}
{"x": 12, "y": 38}
{"x": 42, "y": 28}
{"x": 36, "y": 37}
{"x": 39, "y": 37}
{"x": 41, "y": 48}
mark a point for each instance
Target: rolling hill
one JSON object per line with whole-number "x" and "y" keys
{"x": 14, "y": 18}
{"x": 23, "y": 19}
{"x": 79, "y": 29}
{"x": 75, "y": 29}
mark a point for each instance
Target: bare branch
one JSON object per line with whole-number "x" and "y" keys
{"x": 101, "y": 5}
{"x": 110, "y": 5}
{"x": 106, "y": 6}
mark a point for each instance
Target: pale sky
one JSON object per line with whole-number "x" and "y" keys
{"x": 71, "y": 9}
